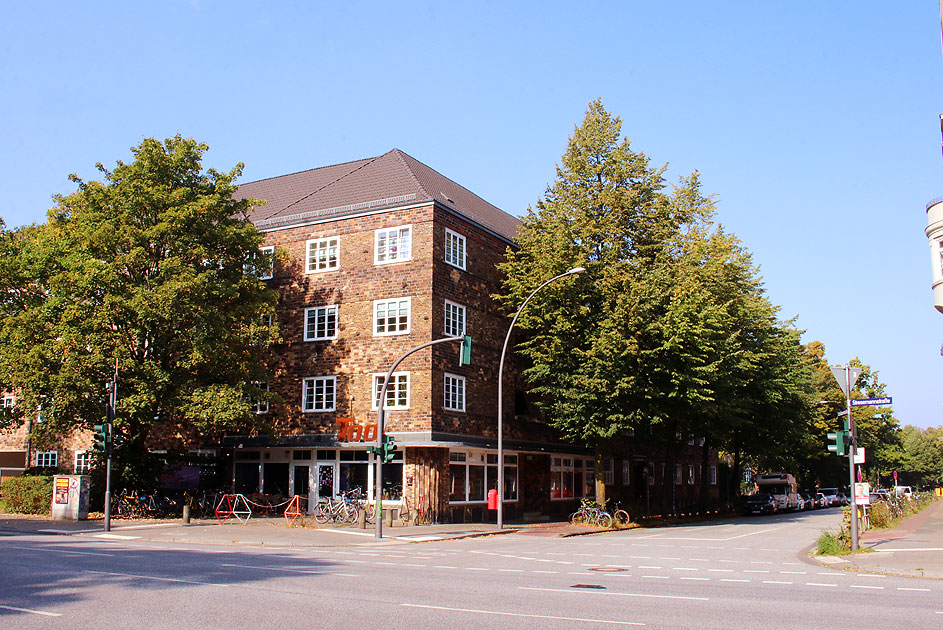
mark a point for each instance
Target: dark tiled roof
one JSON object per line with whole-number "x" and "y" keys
{"x": 390, "y": 180}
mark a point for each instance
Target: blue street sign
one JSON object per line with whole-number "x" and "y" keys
{"x": 869, "y": 402}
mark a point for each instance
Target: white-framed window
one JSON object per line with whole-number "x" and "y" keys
{"x": 397, "y": 391}
{"x": 690, "y": 473}
{"x": 263, "y": 268}
{"x": 626, "y": 472}
{"x": 454, "y": 319}
{"x": 454, "y": 249}
{"x": 47, "y": 459}
{"x": 572, "y": 477}
{"x": 608, "y": 472}
{"x": 713, "y": 473}
{"x": 392, "y": 244}
{"x": 7, "y": 401}
{"x": 83, "y": 462}
{"x": 473, "y": 473}
{"x": 454, "y": 392}
{"x": 391, "y": 317}
{"x": 323, "y": 254}
{"x": 258, "y": 405}
{"x": 320, "y": 323}
{"x": 318, "y": 393}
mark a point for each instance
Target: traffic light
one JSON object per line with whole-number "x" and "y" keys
{"x": 465, "y": 356}
{"x": 387, "y": 448}
{"x": 102, "y": 438}
{"x": 839, "y": 442}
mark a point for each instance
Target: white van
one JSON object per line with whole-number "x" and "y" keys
{"x": 906, "y": 491}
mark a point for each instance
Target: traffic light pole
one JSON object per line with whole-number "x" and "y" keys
{"x": 112, "y": 388}
{"x": 852, "y": 449}
{"x": 381, "y": 404}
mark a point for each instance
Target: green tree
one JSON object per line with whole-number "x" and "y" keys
{"x": 149, "y": 271}
{"x": 921, "y": 461}
{"x": 668, "y": 325}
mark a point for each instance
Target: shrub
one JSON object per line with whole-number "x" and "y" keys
{"x": 27, "y": 495}
{"x": 830, "y": 543}
{"x": 880, "y": 514}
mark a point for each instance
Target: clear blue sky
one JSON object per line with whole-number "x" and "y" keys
{"x": 815, "y": 123}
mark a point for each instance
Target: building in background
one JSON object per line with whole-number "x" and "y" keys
{"x": 935, "y": 235}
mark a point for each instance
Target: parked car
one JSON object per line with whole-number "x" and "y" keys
{"x": 831, "y": 496}
{"x": 760, "y": 503}
{"x": 800, "y": 502}
{"x": 821, "y": 500}
{"x": 809, "y": 501}
{"x": 906, "y": 491}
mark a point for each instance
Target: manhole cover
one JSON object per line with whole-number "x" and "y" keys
{"x": 608, "y": 569}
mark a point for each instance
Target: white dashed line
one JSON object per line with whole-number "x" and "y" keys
{"x": 904, "y": 588}
{"x": 720, "y": 570}
{"x": 732, "y": 580}
{"x": 656, "y": 577}
{"x": 819, "y": 584}
{"x": 775, "y": 582}
{"x": 696, "y": 578}
{"x": 881, "y": 588}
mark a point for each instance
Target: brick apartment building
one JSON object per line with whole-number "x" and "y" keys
{"x": 373, "y": 258}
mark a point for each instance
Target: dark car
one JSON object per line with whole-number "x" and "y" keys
{"x": 810, "y": 501}
{"x": 760, "y": 503}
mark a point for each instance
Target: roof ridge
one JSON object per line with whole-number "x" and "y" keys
{"x": 334, "y": 181}
{"x": 400, "y": 155}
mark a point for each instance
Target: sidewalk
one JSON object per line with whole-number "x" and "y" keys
{"x": 913, "y": 548}
{"x": 267, "y": 531}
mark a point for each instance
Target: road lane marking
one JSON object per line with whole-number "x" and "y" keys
{"x": 775, "y": 582}
{"x": 732, "y": 580}
{"x": 819, "y": 584}
{"x": 529, "y": 616}
{"x": 865, "y": 586}
{"x": 505, "y": 570}
{"x": 615, "y": 594}
{"x": 647, "y": 567}
{"x": 904, "y": 588}
{"x": 700, "y": 579}
{"x": 443, "y": 566}
{"x": 720, "y": 570}
{"x": 31, "y": 611}
{"x": 685, "y": 569}
{"x": 158, "y": 579}
{"x": 656, "y": 577}
{"x": 283, "y": 570}
{"x": 77, "y": 553}
{"x": 793, "y": 572}
{"x": 554, "y": 572}
{"x": 756, "y": 571}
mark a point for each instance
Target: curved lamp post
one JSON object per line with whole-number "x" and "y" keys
{"x": 571, "y": 272}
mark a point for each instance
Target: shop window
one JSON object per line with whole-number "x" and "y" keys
{"x": 473, "y": 473}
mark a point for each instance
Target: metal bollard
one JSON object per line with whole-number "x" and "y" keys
{"x": 362, "y": 519}
{"x": 186, "y": 515}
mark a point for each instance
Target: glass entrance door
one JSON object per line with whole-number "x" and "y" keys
{"x": 301, "y": 484}
{"x": 325, "y": 481}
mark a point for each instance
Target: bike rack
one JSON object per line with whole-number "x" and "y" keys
{"x": 236, "y": 506}
{"x": 293, "y": 512}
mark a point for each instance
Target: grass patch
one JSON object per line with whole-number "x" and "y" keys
{"x": 831, "y": 543}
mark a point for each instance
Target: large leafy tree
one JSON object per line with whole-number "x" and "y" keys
{"x": 144, "y": 272}
{"x": 668, "y": 327}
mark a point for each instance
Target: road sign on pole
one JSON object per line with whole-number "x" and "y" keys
{"x": 871, "y": 402}
{"x": 846, "y": 382}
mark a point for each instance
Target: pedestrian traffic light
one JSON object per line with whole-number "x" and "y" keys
{"x": 838, "y": 445}
{"x": 465, "y": 356}
{"x": 387, "y": 448}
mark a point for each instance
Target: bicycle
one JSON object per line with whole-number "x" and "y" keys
{"x": 592, "y": 515}
{"x": 337, "y": 510}
{"x": 620, "y": 517}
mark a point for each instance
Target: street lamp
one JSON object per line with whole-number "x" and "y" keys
{"x": 571, "y": 272}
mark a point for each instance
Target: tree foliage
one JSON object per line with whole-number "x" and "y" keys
{"x": 669, "y": 332}
{"x": 143, "y": 272}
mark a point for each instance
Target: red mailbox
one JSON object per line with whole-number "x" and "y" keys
{"x": 492, "y": 499}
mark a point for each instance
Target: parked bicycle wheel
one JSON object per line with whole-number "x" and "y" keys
{"x": 322, "y": 513}
{"x": 604, "y": 519}
{"x": 621, "y": 518}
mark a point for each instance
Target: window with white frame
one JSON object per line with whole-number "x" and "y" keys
{"x": 392, "y": 245}
{"x": 263, "y": 266}
{"x": 713, "y": 475}
{"x": 626, "y": 472}
{"x": 318, "y": 393}
{"x": 572, "y": 477}
{"x": 322, "y": 254}
{"x": 258, "y": 405}
{"x": 47, "y": 459}
{"x": 454, "y": 319}
{"x": 454, "y": 392}
{"x": 83, "y": 462}
{"x": 690, "y": 473}
{"x": 7, "y": 401}
{"x": 397, "y": 391}
{"x": 391, "y": 317}
{"x": 320, "y": 323}
{"x": 608, "y": 472}
{"x": 455, "y": 249}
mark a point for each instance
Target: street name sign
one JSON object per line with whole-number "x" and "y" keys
{"x": 870, "y": 402}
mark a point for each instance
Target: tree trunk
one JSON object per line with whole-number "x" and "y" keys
{"x": 600, "y": 481}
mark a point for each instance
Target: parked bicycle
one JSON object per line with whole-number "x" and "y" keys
{"x": 592, "y": 515}
{"x": 337, "y": 510}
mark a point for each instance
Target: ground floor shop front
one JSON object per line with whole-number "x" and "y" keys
{"x": 450, "y": 482}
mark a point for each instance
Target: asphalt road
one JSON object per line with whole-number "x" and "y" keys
{"x": 740, "y": 573}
